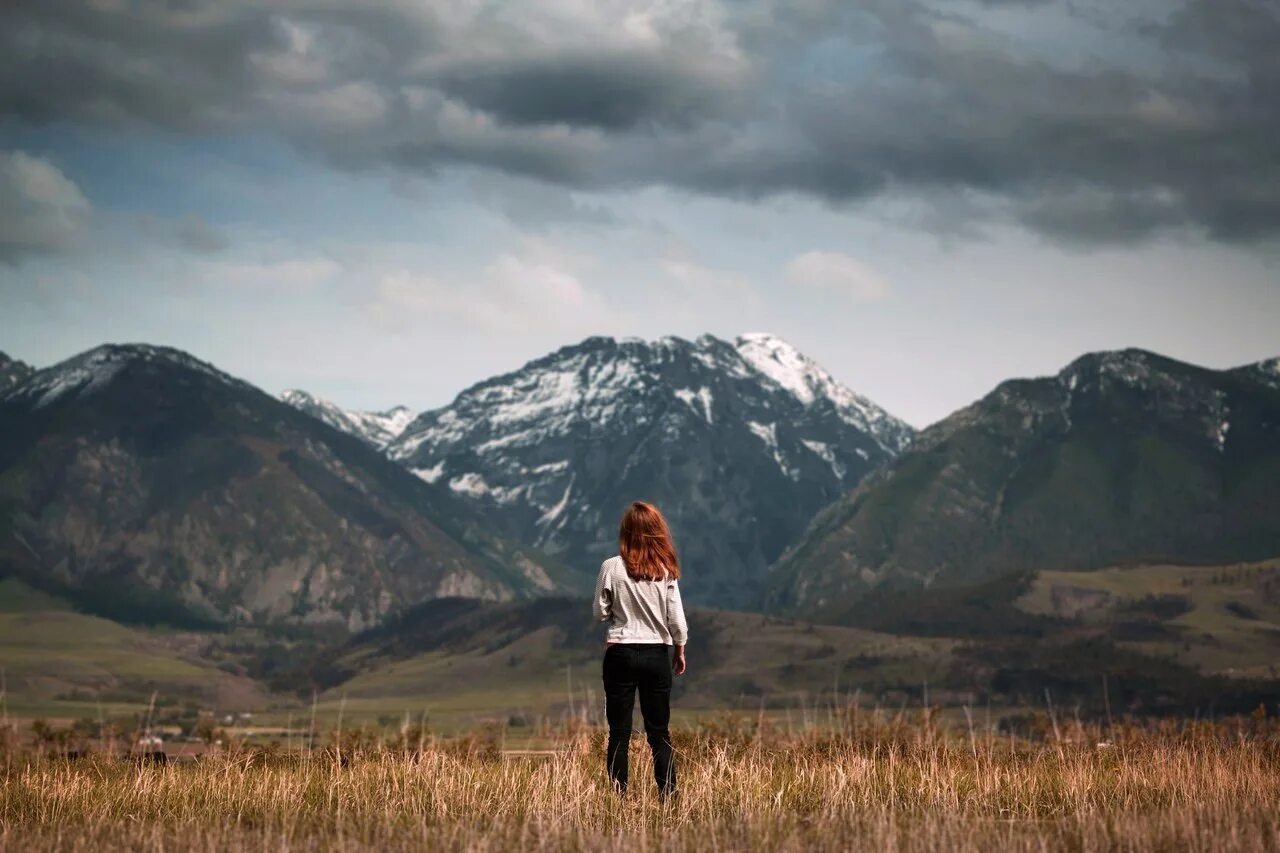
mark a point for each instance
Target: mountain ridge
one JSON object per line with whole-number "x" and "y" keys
{"x": 143, "y": 478}
{"x": 12, "y": 371}
{"x": 1121, "y": 456}
{"x": 378, "y": 429}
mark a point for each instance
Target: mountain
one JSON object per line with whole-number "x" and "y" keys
{"x": 739, "y": 442}
{"x": 12, "y": 372}
{"x": 1121, "y": 458}
{"x": 377, "y": 429}
{"x": 144, "y": 484}
{"x": 1267, "y": 372}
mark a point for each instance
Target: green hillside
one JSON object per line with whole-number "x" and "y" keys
{"x": 483, "y": 660}
{"x": 1221, "y": 620}
{"x": 58, "y": 662}
{"x": 1122, "y": 458}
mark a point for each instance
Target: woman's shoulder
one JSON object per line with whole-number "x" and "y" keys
{"x": 612, "y": 564}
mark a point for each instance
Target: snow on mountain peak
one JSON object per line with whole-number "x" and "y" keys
{"x": 376, "y": 428}
{"x": 94, "y": 370}
{"x": 782, "y": 363}
{"x": 810, "y": 383}
{"x": 602, "y": 378}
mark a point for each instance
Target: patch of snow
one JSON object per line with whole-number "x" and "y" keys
{"x": 94, "y": 370}
{"x": 552, "y": 392}
{"x": 555, "y": 511}
{"x": 826, "y": 454}
{"x": 518, "y": 438}
{"x": 396, "y": 420}
{"x": 768, "y": 433}
{"x": 84, "y": 379}
{"x": 470, "y": 483}
{"x": 808, "y": 382}
{"x": 431, "y": 474}
{"x": 404, "y": 447}
{"x": 473, "y": 485}
{"x": 697, "y": 399}
{"x": 1221, "y": 436}
{"x": 1071, "y": 381}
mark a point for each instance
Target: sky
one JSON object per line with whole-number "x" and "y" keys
{"x": 384, "y": 201}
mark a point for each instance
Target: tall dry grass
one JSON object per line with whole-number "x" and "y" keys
{"x": 864, "y": 784}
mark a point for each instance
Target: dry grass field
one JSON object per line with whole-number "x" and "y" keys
{"x": 867, "y": 781}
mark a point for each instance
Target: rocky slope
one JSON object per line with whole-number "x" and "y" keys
{"x": 12, "y": 372}
{"x": 146, "y": 484}
{"x": 739, "y": 442}
{"x": 1267, "y": 372}
{"x": 377, "y": 429}
{"x": 1122, "y": 457}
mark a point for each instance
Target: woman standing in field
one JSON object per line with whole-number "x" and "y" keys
{"x": 638, "y": 594}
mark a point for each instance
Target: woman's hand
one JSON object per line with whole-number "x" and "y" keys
{"x": 678, "y": 666}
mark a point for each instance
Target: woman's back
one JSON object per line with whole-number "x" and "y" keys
{"x": 639, "y": 611}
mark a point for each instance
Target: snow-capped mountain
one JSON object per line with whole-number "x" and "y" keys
{"x": 377, "y": 429}
{"x": 739, "y": 442}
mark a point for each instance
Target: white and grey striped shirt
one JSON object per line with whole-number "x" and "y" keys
{"x": 639, "y": 611}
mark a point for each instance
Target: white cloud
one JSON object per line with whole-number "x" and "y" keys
{"x": 839, "y": 273}
{"x": 537, "y": 285}
{"x": 41, "y": 209}
{"x": 704, "y": 278}
{"x": 405, "y": 299}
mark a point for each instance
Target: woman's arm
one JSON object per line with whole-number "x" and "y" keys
{"x": 677, "y": 625}
{"x": 602, "y": 603}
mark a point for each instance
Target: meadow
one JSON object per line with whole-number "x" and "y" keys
{"x": 864, "y": 780}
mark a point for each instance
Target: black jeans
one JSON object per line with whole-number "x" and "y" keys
{"x": 646, "y": 667}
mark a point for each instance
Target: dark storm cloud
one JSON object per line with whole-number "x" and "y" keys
{"x": 610, "y": 92}
{"x": 1170, "y": 127}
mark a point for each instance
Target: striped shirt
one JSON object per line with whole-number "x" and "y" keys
{"x": 638, "y": 611}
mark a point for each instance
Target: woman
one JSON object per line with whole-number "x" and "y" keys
{"x": 638, "y": 594}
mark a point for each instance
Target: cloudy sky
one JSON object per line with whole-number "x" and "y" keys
{"x": 383, "y": 201}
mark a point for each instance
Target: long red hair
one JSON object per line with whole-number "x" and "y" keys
{"x": 644, "y": 540}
